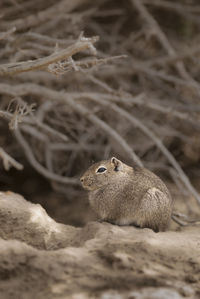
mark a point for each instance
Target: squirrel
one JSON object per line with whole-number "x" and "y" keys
{"x": 125, "y": 195}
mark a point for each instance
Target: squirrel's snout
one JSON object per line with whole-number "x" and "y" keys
{"x": 85, "y": 183}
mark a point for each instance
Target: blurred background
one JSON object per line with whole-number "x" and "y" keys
{"x": 82, "y": 81}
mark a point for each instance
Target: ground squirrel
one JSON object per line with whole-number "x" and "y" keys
{"x": 126, "y": 195}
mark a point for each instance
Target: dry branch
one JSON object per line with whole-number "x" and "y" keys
{"x": 6, "y": 34}
{"x": 33, "y": 20}
{"x": 42, "y": 63}
{"x": 60, "y": 96}
{"x": 8, "y": 161}
{"x": 33, "y": 161}
{"x": 54, "y": 95}
{"x": 163, "y": 40}
{"x": 183, "y": 9}
{"x": 80, "y": 114}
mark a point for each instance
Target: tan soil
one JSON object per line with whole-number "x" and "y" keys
{"x": 42, "y": 258}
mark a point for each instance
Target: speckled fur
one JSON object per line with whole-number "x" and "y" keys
{"x": 128, "y": 196}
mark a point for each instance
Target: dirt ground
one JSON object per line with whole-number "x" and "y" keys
{"x": 40, "y": 257}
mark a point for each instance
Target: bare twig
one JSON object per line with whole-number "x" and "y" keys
{"x": 4, "y": 35}
{"x": 60, "y": 96}
{"x": 178, "y": 221}
{"x": 41, "y": 63}
{"x": 185, "y": 53}
{"x": 184, "y": 220}
{"x": 32, "y": 20}
{"x": 163, "y": 40}
{"x": 187, "y": 11}
{"x": 105, "y": 127}
{"x": 41, "y": 169}
{"x": 8, "y": 161}
{"x": 70, "y": 64}
{"x": 22, "y": 109}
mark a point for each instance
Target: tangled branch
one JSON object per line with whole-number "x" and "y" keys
{"x": 92, "y": 103}
{"x": 42, "y": 63}
{"x": 8, "y": 161}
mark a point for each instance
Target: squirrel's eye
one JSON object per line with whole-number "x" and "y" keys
{"x": 101, "y": 169}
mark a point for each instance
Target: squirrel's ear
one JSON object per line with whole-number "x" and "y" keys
{"x": 117, "y": 164}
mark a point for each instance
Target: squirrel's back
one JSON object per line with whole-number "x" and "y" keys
{"x": 144, "y": 179}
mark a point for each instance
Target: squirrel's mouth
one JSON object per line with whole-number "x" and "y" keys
{"x": 87, "y": 187}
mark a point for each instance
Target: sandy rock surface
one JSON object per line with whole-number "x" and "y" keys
{"x": 43, "y": 259}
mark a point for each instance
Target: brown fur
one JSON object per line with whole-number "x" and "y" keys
{"x": 124, "y": 195}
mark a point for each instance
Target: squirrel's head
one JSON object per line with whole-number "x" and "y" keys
{"x": 103, "y": 173}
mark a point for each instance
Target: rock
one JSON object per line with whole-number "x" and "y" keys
{"x": 44, "y": 259}
{"x": 27, "y": 222}
{"x": 152, "y": 293}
